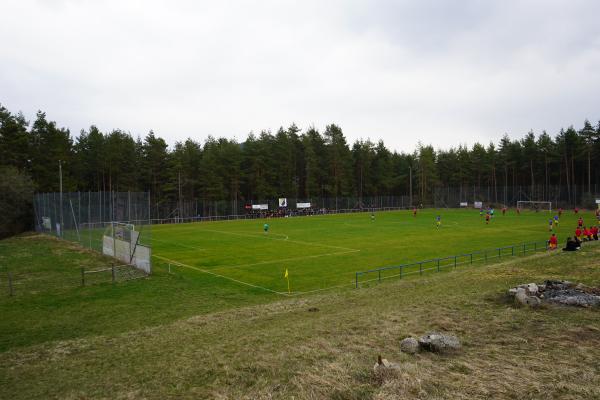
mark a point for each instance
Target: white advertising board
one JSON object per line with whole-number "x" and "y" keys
{"x": 302, "y": 205}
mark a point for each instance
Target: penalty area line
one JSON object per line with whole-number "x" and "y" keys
{"x": 220, "y": 276}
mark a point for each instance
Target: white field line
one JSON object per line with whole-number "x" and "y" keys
{"x": 266, "y": 236}
{"x": 220, "y": 276}
{"x": 285, "y": 260}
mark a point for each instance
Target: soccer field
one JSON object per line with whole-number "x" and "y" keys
{"x": 321, "y": 252}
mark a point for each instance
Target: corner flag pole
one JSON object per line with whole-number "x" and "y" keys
{"x": 287, "y": 276}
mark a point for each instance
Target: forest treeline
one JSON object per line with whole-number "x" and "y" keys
{"x": 290, "y": 162}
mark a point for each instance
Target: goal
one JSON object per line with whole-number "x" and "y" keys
{"x": 123, "y": 242}
{"x": 535, "y": 205}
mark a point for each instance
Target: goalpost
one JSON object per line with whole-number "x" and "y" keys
{"x": 535, "y": 205}
{"x": 122, "y": 241}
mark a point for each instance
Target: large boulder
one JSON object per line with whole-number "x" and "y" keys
{"x": 439, "y": 343}
{"x": 409, "y": 345}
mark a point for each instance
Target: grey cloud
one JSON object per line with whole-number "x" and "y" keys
{"x": 435, "y": 71}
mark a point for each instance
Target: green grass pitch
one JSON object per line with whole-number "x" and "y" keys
{"x": 321, "y": 252}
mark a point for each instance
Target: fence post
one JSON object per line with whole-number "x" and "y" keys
{"x": 355, "y": 278}
{"x": 82, "y": 276}
{"x": 455, "y": 262}
{"x": 379, "y": 275}
{"x": 420, "y": 268}
{"x": 471, "y": 258}
{"x": 438, "y": 265}
{"x": 534, "y": 247}
{"x": 401, "y": 272}
{"x": 499, "y": 253}
{"x": 10, "y": 285}
{"x": 524, "y": 248}
{"x": 112, "y": 271}
{"x": 512, "y": 250}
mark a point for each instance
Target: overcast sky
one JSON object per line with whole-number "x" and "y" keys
{"x": 439, "y": 72}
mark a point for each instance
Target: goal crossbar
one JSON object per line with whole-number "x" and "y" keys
{"x": 538, "y": 205}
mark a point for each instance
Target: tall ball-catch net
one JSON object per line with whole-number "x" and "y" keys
{"x": 116, "y": 224}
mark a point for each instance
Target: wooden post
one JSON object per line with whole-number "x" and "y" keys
{"x": 82, "y": 276}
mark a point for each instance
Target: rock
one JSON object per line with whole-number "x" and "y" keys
{"x": 522, "y": 298}
{"x": 520, "y": 295}
{"x": 313, "y": 309}
{"x": 409, "y": 345}
{"x": 533, "y": 301}
{"x": 532, "y": 289}
{"x": 541, "y": 288}
{"x": 439, "y": 343}
{"x": 383, "y": 365}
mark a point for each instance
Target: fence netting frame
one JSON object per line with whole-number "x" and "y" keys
{"x": 89, "y": 219}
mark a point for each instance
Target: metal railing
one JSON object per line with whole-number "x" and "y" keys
{"x": 449, "y": 262}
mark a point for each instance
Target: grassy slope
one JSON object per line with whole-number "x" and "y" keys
{"x": 325, "y": 251}
{"x": 280, "y": 350}
{"x": 50, "y": 304}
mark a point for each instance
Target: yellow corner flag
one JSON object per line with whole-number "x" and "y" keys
{"x": 287, "y": 276}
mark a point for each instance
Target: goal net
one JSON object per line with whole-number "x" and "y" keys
{"x": 535, "y": 205}
{"x": 123, "y": 242}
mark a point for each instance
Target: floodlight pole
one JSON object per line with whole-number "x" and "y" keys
{"x": 62, "y": 225}
{"x": 410, "y": 184}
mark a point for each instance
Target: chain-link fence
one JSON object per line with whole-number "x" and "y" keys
{"x": 560, "y": 196}
{"x": 116, "y": 224}
{"x": 185, "y": 209}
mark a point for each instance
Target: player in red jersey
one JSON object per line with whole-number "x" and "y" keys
{"x": 587, "y": 235}
{"x": 594, "y": 230}
{"x": 560, "y": 212}
{"x": 576, "y": 210}
{"x": 487, "y": 219}
{"x": 415, "y": 212}
{"x": 578, "y": 234}
{"x": 503, "y": 210}
{"x": 552, "y": 242}
{"x": 580, "y": 222}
